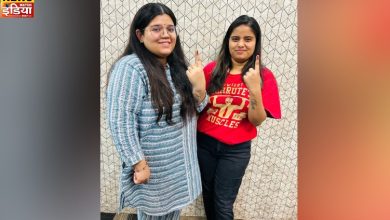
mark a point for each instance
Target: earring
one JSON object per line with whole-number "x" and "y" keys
{"x": 141, "y": 41}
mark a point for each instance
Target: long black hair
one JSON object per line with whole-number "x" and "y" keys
{"x": 161, "y": 93}
{"x": 224, "y": 59}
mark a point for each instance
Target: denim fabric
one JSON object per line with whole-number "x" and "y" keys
{"x": 222, "y": 168}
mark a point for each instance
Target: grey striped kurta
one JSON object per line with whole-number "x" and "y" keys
{"x": 169, "y": 149}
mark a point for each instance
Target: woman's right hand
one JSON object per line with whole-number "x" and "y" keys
{"x": 141, "y": 172}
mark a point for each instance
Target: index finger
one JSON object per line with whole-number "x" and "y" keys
{"x": 198, "y": 61}
{"x": 257, "y": 64}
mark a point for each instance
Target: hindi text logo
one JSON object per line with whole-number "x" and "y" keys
{"x": 16, "y": 8}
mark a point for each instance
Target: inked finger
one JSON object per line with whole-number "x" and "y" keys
{"x": 257, "y": 64}
{"x": 198, "y": 60}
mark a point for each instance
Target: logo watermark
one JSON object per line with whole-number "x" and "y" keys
{"x": 17, "y": 8}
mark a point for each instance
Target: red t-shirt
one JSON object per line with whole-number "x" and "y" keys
{"x": 225, "y": 117}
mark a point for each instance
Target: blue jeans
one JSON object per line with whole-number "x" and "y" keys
{"x": 222, "y": 168}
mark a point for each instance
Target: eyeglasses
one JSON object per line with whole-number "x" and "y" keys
{"x": 158, "y": 29}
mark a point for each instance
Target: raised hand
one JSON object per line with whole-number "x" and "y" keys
{"x": 196, "y": 76}
{"x": 195, "y": 73}
{"x": 252, "y": 78}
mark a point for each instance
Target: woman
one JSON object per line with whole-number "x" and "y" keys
{"x": 152, "y": 101}
{"x": 242, "y": 93}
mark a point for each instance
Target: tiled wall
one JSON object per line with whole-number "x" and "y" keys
{"x": 269, "y": 189}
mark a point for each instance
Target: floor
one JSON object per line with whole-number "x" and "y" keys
{"x": 126, "y": 216}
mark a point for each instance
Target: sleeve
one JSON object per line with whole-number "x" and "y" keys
{"x": 124, "y": 99}
{"x": 203, "y": 104}
{"x": 270, "y": 95}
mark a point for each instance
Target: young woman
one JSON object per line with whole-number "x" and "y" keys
{"x": 242, "y": 94}
{"x": 152, "y": 101}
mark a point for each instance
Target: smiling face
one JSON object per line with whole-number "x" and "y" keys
{"x": 159, "y": 37}
{"x": 242, "y": 43}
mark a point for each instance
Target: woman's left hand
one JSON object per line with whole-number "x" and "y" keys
{"x": 252, "y": 78}
{"x": 196, "y": 76}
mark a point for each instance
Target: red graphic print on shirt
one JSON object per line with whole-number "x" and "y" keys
{"x": 228, "y": 110}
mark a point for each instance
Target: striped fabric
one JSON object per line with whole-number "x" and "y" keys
{"x": 170, "y": 216}
{"x": 169, "y": 149}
